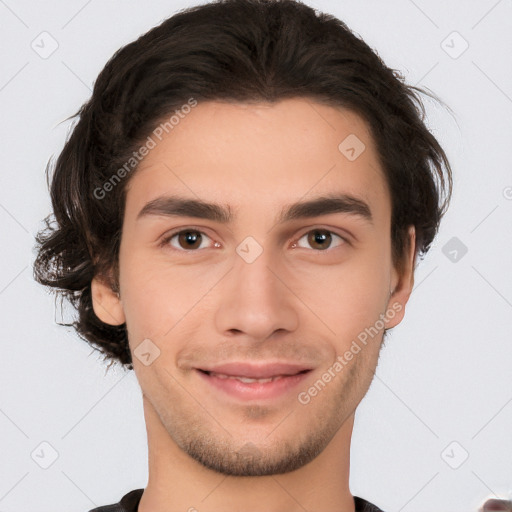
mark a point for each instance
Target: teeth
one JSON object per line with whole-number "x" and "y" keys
{"x": 246, "y": 380}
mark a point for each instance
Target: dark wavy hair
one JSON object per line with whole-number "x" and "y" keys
{"x": 235, "y": 51}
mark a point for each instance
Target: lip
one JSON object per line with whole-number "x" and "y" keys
{"x": 287, "y": 378}
{"x": 256, "y": 371}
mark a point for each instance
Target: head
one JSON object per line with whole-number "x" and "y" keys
{"x": 249, "y": 106}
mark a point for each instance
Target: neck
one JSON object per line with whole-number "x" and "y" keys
{"x": 178, "y": 482}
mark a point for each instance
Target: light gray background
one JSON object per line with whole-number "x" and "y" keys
{"x": 443, "y": 388}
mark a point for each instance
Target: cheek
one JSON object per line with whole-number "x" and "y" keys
{"x": 348, "y": 299}
{"x": 353, "y": 296}
{"x": 342, "y": 300}
{"x": 142, "y": 291}
{"x": 158, "y": 295}
{"x": 354, "y": 306}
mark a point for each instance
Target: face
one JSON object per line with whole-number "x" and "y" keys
{"x": 248, "y": 305}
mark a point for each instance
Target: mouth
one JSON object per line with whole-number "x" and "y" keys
{"x": 250, "y": 380}
{"x": 254, "y": 383}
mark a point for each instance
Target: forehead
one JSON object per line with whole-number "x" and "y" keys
{"x": 262, "y": 153}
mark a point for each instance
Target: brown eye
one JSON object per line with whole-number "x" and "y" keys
{"x": 320, "y": 239}
{"x": 189, "y": 239}
{"x": 186, "y": 240}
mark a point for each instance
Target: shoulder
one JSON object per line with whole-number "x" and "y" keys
{"x": 365, "y": 506}
{"x": 129, "y": 503}
{"x": 108, "y": 508}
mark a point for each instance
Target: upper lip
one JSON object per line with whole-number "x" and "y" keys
{"x": 255, "y": 371}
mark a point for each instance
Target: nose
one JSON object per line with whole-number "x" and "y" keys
{"x": 255, "y": 300}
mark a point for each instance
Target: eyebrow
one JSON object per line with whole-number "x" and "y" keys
{"x": 177, "y": 206}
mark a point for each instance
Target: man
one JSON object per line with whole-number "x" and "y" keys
{"x": 238, "y": 215}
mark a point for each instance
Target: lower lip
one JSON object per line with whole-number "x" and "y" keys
{"x": 255, "y": 390}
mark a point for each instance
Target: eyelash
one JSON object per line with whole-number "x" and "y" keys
{"x": 166, "y": 240}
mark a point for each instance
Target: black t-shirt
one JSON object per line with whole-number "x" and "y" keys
{"x": 130, "y": 503}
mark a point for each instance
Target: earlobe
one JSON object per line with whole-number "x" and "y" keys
{"x": 106, "y": 303}
{"x": 401, "y": 291}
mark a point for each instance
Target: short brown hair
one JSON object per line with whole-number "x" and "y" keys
{"x": 236, "y": 51}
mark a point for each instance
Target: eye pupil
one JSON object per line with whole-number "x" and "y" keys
{"x": 319, "y": 239}
{"x": 317, "y": 236}
{"x": 188, "y": 236}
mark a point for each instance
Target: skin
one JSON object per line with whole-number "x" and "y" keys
{"x": 306, "y": 302}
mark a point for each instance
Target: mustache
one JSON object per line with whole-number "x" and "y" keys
{"x": 192, "y": 355}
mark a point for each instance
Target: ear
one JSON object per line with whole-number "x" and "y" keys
{"x": 402, "y": 284}
{"x": 106, "y": 303}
